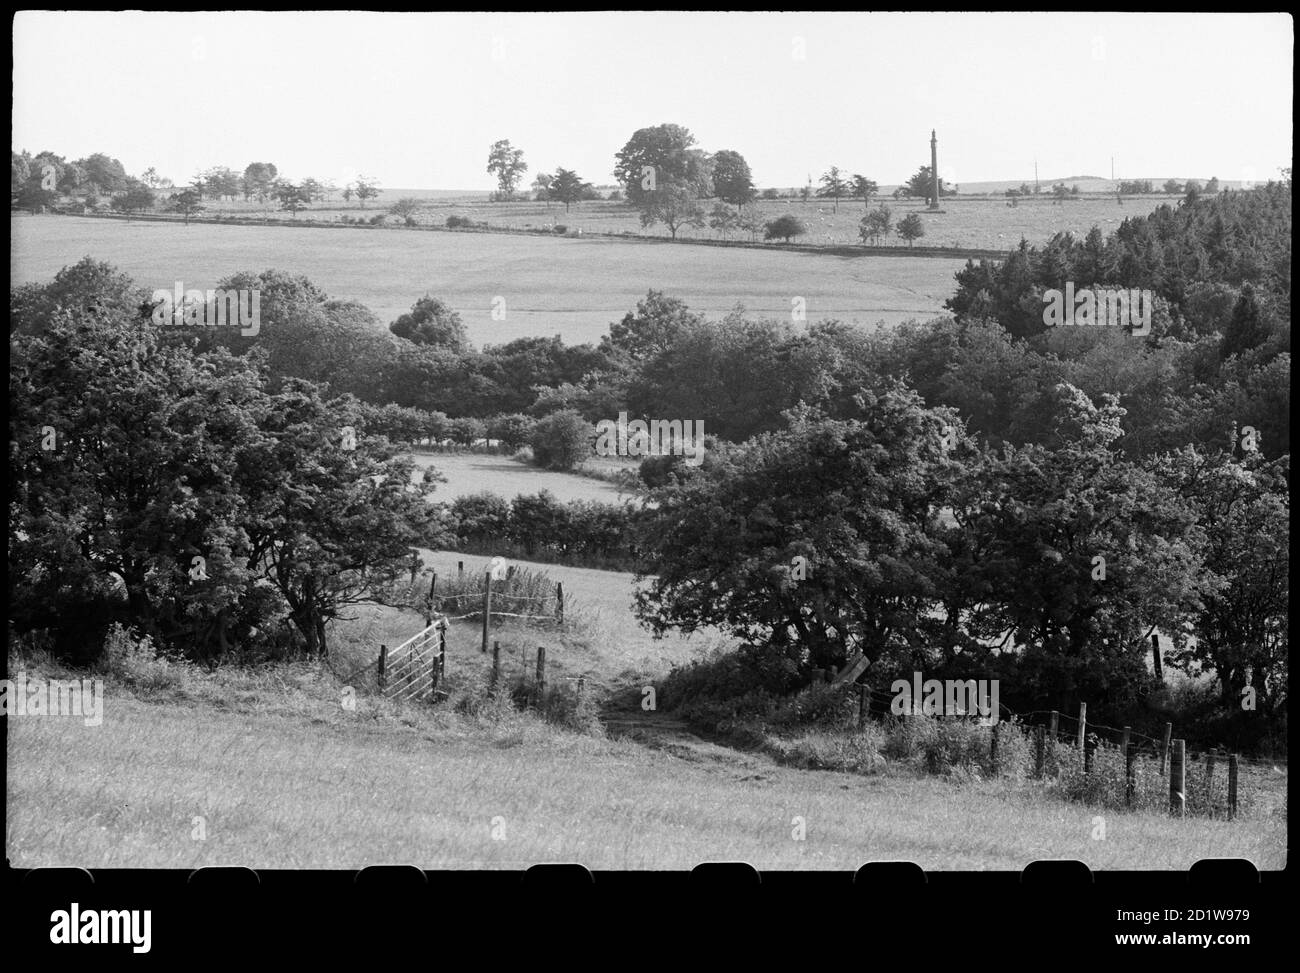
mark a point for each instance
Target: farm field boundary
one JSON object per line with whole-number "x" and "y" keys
{"x": 833, "y": 250}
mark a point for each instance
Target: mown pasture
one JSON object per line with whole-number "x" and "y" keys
{"x": 571, "y": 287}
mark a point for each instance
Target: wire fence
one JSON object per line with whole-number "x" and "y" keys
{"x": 1081, "y": 753}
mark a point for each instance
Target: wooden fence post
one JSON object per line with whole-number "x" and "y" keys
{"x": 442, "y": 650}
{"x": 1164, "y": 749}
{"x": 487, "y": 607}
{"x": 582, "y": 684}
{"x": 1056, "y": 726}
{"x": 435, "y": 666}
{"x": 559, "y": 602}
{"x": 1177, "y": 778}
{"x": 1232, "y": 786}
{"x": 1209, "y": 778}
{"x": 383, "y": 666}
{"x": 1040, "y": 738}
{"x": 1130, "y": 779}
{"x": 428, "y": 607}
{"x": 460, "y": 570}
{"x": 496, "y": 665}
{"x": 1083, "y": 724}
{"x": 864, "y": 703}
{"x": 1156, "y": 662}
{"x": 1089, "y": 745}
{"x": 993, "y": 748}
{"x": 541, "y": 673}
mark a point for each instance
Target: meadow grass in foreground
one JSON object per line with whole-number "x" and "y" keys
{"x": 280, "y": 774}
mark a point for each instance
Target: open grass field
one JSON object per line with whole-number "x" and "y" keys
{"x": 571, "y": 287}
{"x": 321, "y": 786}
{"x": 977, "y": 221}
{"x": 974, "y": 222}
{"x": 474, "y": 472}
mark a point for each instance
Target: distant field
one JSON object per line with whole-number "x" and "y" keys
{"x": 982, "y": 222}
{"x": 971, "y": 222}
{"x": 571, "y": 287}
{"x": 472, "y": 473}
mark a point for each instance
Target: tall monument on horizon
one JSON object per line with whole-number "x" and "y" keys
{"x": 934, "y": 171}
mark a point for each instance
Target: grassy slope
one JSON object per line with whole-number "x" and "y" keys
{"x": 285, "y": 776}
{"x": 603, "y": 645}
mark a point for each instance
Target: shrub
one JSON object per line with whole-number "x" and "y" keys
{"x": 603, "y": 529}
{"x": 435, "y": 426}
{"x": 819, "y": 705}
{"x": 657, "y": 471}
{"x": 513, "y": 430}
{"x": 538, "y": 520}
{"x": 596, "y": 534}
{"x": 135, "y": 660}
{"x": 466, "y": 431}
{"x": 454, "y": 222}
{"x": 562, "y": 440}
{"x": 784, "y": 228}
{"x": 561, "y": 228}
{"x": 378, "y": 219}
{"x": 729, "y": 677}
{"x": 481, "y": 517}
{"x": 399, "y": 424}
{"x": 732, "y": 716}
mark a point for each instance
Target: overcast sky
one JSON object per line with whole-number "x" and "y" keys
{"x": 415, "y": 100}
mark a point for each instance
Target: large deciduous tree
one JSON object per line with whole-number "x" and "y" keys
{"x": 431, "y": 321}
{"x": 675, "y": 206}
{"x": 662, "y": 158}
{"x": 857, "y": 499}
{"x": 732, "y": 181}
{"x": 168, "y": 488}
{"x": 508, "y": 165}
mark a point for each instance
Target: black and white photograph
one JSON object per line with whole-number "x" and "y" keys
{"x": 634, "y": 440}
